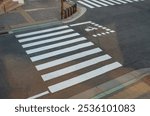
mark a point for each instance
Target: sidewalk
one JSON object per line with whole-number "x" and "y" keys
{"x": 135, "y": 85}
{"x": 35, "y": 12}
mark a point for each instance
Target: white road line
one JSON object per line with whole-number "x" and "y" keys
{"x": 112, "y": 31}
{"x": 128, "y": 0}
{"x": 48, "y": 47}
{"x": 84, "y": 77}
{"x": 62, "y": 51}
{"x": 54, "y": 45}
{"x": 39, "y": 95}
{"x": 106, "y": 2}
{"x": 75, "y": 67}
{"x": 45, "y": 35}
{"x": 92, "y": 3}
{"x": 50, "y": 40}
{"x": 113, "y": 1}
{"x": 41, "y": 31}
{"x": 83, "y": 23}
{"x": 98, "y": 2}
{"x": 108, "y": 32}
{"x": 94, "y": 35}
{"x": 122, "y": 1}
{"x": 85, "y": 4}
{"x": 67, "y": 59}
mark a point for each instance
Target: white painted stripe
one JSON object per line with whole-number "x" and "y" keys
{"x": 106, "y": 2}
{"x": 83, "y": 23}
{"x": 74, "y": 68}
{"x": 122, "y": 1}
{"x": 41, "y": 31}
{"x": 62, "y": 51}
{"x": 94, "y": 35}
{"x": 84, "y": 77}
{"x": 45, "y": 35}
{"x": 50, "y": 40}
{"x": 113, "y": 1}
{"x": 54, "y": 45}
{"x": 39, "y": 95}
{"x": 67, "y": 59}
{"x": 128, "y": 0}
{"x": 112, "y": 31}
{"x": 103, "y": 33}
{"x": 98, "y": 2}
{"x": 108, "y": 32}
{"x": 94, "y": 4}
{"x": 85, "y": 4}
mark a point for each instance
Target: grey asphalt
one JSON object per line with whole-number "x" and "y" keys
{"x": 132, "y": 25}
{"x": 129, "y": 45}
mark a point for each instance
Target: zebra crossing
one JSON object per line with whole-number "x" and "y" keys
{"x": 103, "y": 3}
{"x": 56, "y": 46}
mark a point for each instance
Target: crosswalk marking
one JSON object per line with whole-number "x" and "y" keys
{"x": 129, "y": 1}
{"x": 92, "y": 3}
{"x": 74, "y": 68}
{"x": 67, "y": 59}
{"x": 61, "y": 51}
{"x": 98, "y": 2}
{"x": 39, "y": 95}
{"x": 83, "y": 23}
{"x": 84, "y": 77}
{"x": 41, "y": 31}
{"x": 47, "y": 47}
{"x": 45, "y": 35}
{"x": 102, "y": 3}
{"x": 122, "y": 1}
{"x": 54, "y": 39}
{"x": 85, "y": 4}
{"x": 107, "y": 2}
{"x": 113, "y": 1}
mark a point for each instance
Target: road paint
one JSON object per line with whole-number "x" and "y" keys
{"x": 98, "y": 2}
{"x": 103, "y": 33}
{"x": 75, "y": 67}
{"x": 92, "y": 3}
{"x": 84, "y": 77}
{"x": 85, "y": 4}
{"x": 108, "y": 32}
{"x": 112, "y": 31}
{"x": 41, "y": 31}
{"x": 107, "y": 2}
{"x": 122, "y": 1}
{"x": 78, "y": 24}
{"x": 61, "y": 51}
{"x": 129, "y": 1}
{"x": 50, "y": 40}
{"x": 48, "y": 47}
{"x": 68, "y": 59}
{"x": 39, "y": 95}
{"x": 99, "y": 34}
{"x": 45, "y": 35}
{"x": 113, "y": 1}
{"x": 94, "y": 35}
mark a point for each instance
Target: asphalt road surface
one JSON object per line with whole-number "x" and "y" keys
{"x": 111, "y": 39}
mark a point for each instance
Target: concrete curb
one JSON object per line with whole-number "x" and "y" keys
{"x": 35, "y": 26}
{"x": 81, "y": 11}
{"x": 114, "y": 85}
